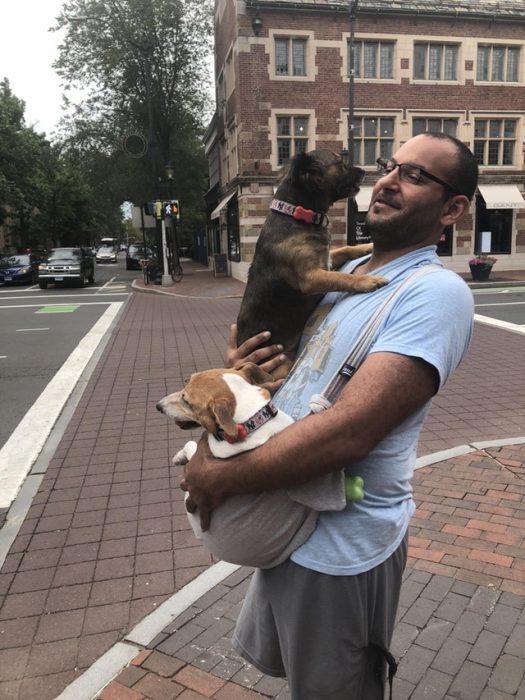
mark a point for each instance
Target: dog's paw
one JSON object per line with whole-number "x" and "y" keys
{"x": 183, "y": 456}
{"x": 367, "y": 283}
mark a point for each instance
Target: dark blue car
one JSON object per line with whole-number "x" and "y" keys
{"x": 21, "y": 267}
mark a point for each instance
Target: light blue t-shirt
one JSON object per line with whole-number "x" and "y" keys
{"x": 432, "y": 319}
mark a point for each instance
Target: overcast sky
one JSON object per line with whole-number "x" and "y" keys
{"x": 27, "y": 50}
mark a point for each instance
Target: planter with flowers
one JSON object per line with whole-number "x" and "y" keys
{"x": 480, "y": 266}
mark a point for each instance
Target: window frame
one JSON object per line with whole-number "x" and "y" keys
{"x": 489, "y": 64}
{"x": 430, "y": 44}
{"x": 360, "y": 46}
{"x": 309, "y": 55}
{"x": 489, "y": 139}
{"x": 362, "y": 138}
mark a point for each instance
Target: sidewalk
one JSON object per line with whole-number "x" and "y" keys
{"x": 105, "y": 585}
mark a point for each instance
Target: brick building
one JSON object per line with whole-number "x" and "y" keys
{"x": 282, "y": 80}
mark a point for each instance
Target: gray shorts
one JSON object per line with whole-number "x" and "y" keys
{"x": 322, "y": 632}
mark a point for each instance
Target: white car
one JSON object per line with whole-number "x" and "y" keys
{"x": 106, "y": 255}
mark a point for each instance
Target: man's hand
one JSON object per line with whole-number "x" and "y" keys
{"x": 202, "y": 482}
{"x": 268, "y": 357}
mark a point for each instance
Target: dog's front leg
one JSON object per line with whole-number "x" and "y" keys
{"x": 320, "y": 281}
{"x": 183, "y": 456}
{"x": 338, "y": 256}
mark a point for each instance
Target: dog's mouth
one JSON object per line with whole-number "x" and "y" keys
{"x": 187, "y": 424}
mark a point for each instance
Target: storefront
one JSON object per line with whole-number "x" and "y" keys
{"x": 495, "y": 207}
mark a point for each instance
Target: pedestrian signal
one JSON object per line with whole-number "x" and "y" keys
{"x": 175, "y": 209}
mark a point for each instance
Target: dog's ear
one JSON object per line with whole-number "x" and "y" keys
{"x": 254, "y": 374}
{"x": 306, "y": 171}
{"x": 223, "y": 412}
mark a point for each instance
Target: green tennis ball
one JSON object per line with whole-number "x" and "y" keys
{"x": 354, "y": 488}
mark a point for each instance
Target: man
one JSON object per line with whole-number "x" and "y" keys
{"x": 324, "y": 618}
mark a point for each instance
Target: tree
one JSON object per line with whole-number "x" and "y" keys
{"x": 144, "y": 65}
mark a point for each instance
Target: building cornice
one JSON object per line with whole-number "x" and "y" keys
{"x": 493, "y": 10}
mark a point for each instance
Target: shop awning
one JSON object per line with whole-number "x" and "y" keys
{"x": 363, "y": 198}
{"x": 215, "y": 213}
{"x": 502, "y": 196}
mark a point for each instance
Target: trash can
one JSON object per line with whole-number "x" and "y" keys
{"x": 220, "y": 265}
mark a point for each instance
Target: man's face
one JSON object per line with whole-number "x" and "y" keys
{"x": 405, "y": 214}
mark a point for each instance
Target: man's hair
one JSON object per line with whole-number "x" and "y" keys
{"x": 464, "y": 171}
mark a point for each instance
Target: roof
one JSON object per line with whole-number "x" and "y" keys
{"x": 494, "y": 9}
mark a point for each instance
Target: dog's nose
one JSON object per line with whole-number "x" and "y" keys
{"x": 159, "y": 406}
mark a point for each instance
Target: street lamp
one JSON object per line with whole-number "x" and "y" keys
{"x": 351, "y": 206}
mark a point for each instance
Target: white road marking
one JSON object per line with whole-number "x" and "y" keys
{"x": 39, "y": 306}
{"x": 25, "y": 330}
{"x": 505, "y": 325}
{"x": 18, "y": 454}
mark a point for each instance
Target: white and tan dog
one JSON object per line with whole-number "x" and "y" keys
{"x": 259, "y": 530}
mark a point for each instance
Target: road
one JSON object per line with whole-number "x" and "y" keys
{"x": 507, "y": 304}
{"x": 46, "y": 339}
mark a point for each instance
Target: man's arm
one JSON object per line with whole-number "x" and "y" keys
{"x": 385, "y": 391}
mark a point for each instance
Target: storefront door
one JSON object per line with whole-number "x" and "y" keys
{"x": 498, "y": 222}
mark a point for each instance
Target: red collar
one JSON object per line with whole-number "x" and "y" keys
{"x": 297, "y": 212}
{"x": 263, "y": 415}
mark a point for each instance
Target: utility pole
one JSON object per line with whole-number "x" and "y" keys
{"x": 351, "y": 205}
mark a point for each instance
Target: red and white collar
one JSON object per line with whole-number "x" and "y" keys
{"x": 263, "y": 415}
{"x": 299, "y": 213}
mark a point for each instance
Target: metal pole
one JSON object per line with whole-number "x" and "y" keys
{"x": 351, "y": 206}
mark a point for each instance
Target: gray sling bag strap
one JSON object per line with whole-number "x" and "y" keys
{"x": 328, "y": 492}
{"x": 320, "y": 402}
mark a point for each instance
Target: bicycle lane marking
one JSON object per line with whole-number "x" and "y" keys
{"x": 18, "y": 455}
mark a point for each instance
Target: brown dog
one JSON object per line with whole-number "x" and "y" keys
{"x": 290, "y": 269}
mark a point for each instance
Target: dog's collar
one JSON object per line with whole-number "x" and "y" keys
{"x": 262, "y": 416}
{"x": 299, "y": 213}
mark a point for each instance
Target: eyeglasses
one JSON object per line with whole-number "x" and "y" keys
{"x": 411, "y": 173}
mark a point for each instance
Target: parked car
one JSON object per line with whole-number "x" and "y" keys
{"x": 21, "y": 267}
{"x": 135, "y": 253}
{"x": 106, "y": 255}
{"x": 66, "y": 265}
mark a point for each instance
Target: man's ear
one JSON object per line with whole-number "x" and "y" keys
{"x": 454, "y": 209}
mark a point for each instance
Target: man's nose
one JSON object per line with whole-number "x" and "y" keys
{"x": 390, "y": 179}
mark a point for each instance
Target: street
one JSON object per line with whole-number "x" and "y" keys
{"x": 41, "y": 328}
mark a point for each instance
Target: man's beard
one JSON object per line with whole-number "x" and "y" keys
{"x": 397, "y": 232}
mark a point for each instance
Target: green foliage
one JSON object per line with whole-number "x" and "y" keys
{"x": 143, "y": 67}
{"x": 47, "y": 196}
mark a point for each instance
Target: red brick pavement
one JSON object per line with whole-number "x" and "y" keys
{"x": 106, "y": 539}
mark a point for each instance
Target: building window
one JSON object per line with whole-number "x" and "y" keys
{"x": 373, "y": 59}
{"x": 434, "y": 125}
{"x": 498, "y": 63}
{"x": 435, "y": 61}
{"x": 373, "y": 139}
{"x": 495, "y": 141}
{"x": 290, "y": 56}
{"x": 292, "y": 137}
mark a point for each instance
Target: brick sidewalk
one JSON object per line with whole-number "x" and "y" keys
{"x": 106, "y": 540}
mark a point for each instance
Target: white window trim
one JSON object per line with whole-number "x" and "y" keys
{"x": 456, "y": 41}
{"x": 501, "y": 42}
{"x": 311, "y": 68}
{"x": 396, "y": 115}
{"x": 390, "y": 38}
{"x": 273, "y": 136}
{"x": 520, "y": 135}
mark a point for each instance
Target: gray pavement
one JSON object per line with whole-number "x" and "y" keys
{"x": 105, "y": 593}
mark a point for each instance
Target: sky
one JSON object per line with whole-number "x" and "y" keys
{"x": 27, "y": 50}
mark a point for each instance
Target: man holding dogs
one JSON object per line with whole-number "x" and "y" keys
{"x": 324, "y": 618}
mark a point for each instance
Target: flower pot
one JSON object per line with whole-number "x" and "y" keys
{"x": 480, "y": 272}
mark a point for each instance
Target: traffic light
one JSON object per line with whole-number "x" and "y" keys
{"x": 159, "y": 213}
{"x": 175, "y": 209}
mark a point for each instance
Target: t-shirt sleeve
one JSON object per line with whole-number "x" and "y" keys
{"x": 432, "y": 320}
